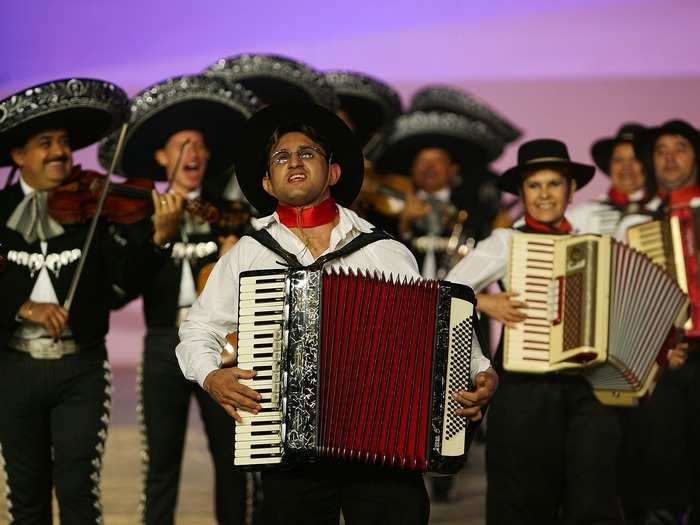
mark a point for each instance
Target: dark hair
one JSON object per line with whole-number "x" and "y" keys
{"x": 299, "y": 127}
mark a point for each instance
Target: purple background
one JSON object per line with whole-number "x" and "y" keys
{"x": 571, "y": 69}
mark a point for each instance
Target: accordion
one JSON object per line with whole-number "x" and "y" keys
{"x": 354, "y": 367}
{"x": 594, "y": 306}
{"x": 674, "y": 243}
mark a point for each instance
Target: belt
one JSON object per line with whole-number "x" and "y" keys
{"x": 44, "y": 347}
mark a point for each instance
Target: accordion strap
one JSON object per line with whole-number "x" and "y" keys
{"x": 263, "y": 237}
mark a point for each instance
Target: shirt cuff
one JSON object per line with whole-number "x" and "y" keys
{"x": 203, "y": 370}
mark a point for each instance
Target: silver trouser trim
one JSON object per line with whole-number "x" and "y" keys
{"x": 45, "y": 347}
{"x": 141, "y": 416}
{"x": 6, "y": 480}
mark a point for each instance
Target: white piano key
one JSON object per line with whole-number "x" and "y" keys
{"x": 262, "y": 461}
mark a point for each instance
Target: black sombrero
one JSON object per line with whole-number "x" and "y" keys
{"x": 454, "y": 100}
{"x": 469, "y": 142}
{"x": 602, "y": 149}
{"x": 87, "y": 108}
{"x": 544, "y": 154}
{"x": 210, "y": 105}
{"x": 276, "y": 79}
{"x": 371, "y": 104}
{"x": 251, "y": 165}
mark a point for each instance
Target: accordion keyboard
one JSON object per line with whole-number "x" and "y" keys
{"x": 258, "y": 439}
{"x": 531, "y": 271}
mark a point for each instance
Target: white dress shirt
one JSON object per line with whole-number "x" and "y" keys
{"x": 188, "y": 289}
{"x": 215, "y": 313}
{"x": 43, "y": 291}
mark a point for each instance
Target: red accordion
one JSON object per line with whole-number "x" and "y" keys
{"x": 354, "y": 367}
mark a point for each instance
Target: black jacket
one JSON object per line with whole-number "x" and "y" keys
{"x": 120, "y": 261}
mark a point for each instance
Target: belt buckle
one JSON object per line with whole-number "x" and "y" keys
{"x": 54, "y": 350}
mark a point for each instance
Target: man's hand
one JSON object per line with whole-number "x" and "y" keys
{"x": 486, "y": 384}
{"x": 501, "y": 307}
{"x": 226, "y": 243}
{"x": 677, "y": 356}
{"x": 222, "y": 385}
{"x": 413, "y": 209}
{"x": 49, "y": 315}
{"x": 166, "y": 221}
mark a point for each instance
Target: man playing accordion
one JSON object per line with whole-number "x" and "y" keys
{"x": 300, "y": 168}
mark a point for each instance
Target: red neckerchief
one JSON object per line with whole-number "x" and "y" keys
{"x": 307, "y": 216}
{"x": 534, "y": 224}
{"x": 617, "y": 197}
{"x": 683, "y": 196}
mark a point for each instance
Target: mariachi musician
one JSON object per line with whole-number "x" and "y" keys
{"x": 663, "y": 481}
{"x": 302, "y": 170}
{"x": 552, "y": 446}
{"x": 441, "y": 152}
{"x": 274, "y": 79}
{"x": 184, "y": 130}
{"x": 55, "y": 381}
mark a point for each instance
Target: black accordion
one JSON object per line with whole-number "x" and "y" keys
{"x": 354, "y": 367}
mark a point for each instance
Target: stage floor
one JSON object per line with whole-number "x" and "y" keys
{"x": 121, "y": 477}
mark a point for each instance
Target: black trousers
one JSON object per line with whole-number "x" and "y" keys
{"x": 165, "y": 401}
{"x": 660, "y": 465}
{"x": 315, "y": 494}
{"x": 551, "y": 453}
{"x": 53, "y": 425}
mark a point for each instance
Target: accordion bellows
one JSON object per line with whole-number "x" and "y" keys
{"x": 354, "y": 367}
{"x": 595, "y": 306}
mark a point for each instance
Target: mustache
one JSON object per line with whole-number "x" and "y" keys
{"x": 60, "y": 158}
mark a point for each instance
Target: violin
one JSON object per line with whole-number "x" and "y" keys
{"x": 385, "y": 194}
{"x": 75, "y": 201}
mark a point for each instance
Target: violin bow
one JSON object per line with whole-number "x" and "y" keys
{"x": 178, "y": 163}
{"x": 93, "y": 224}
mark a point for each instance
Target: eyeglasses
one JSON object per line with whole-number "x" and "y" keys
{"x": 305, "y": 154}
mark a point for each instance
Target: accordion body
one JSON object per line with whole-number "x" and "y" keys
{"x": 674, "y": 243}
{"x": 595, "y": 307}
{"x": 354, "y": 367}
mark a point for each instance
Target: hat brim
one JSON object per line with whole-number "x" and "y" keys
{"x": 398, "y": 157}
{"x": 84, "y": 125}
{"x": 219, "y": 123}
{"x": 601, "y": 152}
{"x": 251, "y": 165}
{"x": 511, "y": 180}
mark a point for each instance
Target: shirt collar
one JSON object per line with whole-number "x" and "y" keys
{"x": 348, "y": 222}
{"x": 194, "y": 194}
{"x": 442, "y": 195}
{"x": 26, "y": 188}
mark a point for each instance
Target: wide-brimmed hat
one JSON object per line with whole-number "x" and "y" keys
{"x": 602, "y": 149}
{"x": 470, "y": 142}
{"x": 544, "y": 154}
{"x": 210, "y": 105}
{"x": 277, "y": 79}
{"x": 252, "y": 166}
{"x": 87, "y": 108}
{"x": 454, "y": 100}
{"x": 644, "y": 144}
{"x": 371, "y": 104}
